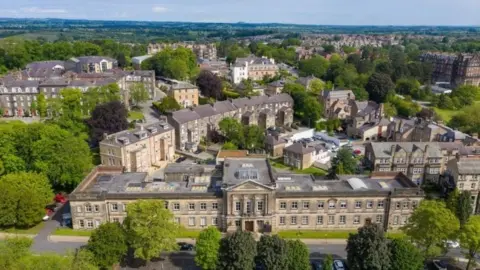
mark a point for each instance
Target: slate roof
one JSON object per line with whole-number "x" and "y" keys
{"x": 299, "y": 148}
{"x": 383, "y": 149}
{"x": 468, "y": 166}
{"x": 131, "y": 135}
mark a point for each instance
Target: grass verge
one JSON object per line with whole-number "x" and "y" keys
{"x": 135, "y": 115}
{"x": 188, "y": 233}
{"x": 33, "y": 230}
{"x": 278, "y": 163}
{"x": 311, "y": 170}
{"x": 71, "y": 232}
{"x": 328, "y": 234}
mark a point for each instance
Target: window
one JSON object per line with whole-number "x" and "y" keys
{"x": 460, "y": 186}
{"x": 358, "y": 204}
{"x": 380, "y": 204}
{"x": 405, "y": 205}
{"x": 398, "y": 205}
{"x": 237, "y": 206}
{"x": 331, "y": 204}
{"x": 283, "y": 205}
{"x": 214, "y": 206}
{"x": 305, "y": 220}
{"x": 116, "y": 220}
{"x": 114, "y": 207}
{"x": 203, "y": 221}
{"x": 191, "y": 221}
{"x": 96, "y": 208}
{"x": 215, "y": 221}
{"x": 293, "y": 220}
{"x": 294, "y": 205}
{"x": 331, "y": 219}
{"x": 414, "y": 205}
{"x": 473, "y": 185}
{"x": 191, "y": 206}
{"x": 342, "y": 219}
{"x": 89, "y": 223}
{"x": 249, "y": 207}
{"x": 320, "y": 205}
{"x": 176, "y": 206}
{"x": 237, "y": 223}
{"x": 282, "y": 220}
{"x": 203, "y": 206}
{"x": 260, "y": 206}
{"x": 395, "y": 220}
{"x": 369, "y": 204}
{"x": 343, "y": 204}
{"x": 320, "y": 220}
{"x": 356, "y": 219}
{"x": 88, "y": 208}
{"x": 177, "y": 220}
{"x": 81, "y": 223}
{"x": 379, "y": 218}
{"x": 404, "y": 220}
{"x": 306, "y": 205}
{"x": 417, "y": 170}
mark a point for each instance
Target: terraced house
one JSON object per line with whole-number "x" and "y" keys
{"x": 248, "y": 194}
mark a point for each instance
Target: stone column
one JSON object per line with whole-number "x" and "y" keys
{"x": 254, "y": 207}
{"x": 266, "y": 211}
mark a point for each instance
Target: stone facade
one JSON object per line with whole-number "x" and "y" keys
{"x": 459, "y": 69}
{"x": 184, "y": 93}
{"x": 139, "y": 150}
{"x": 465, "y": 174}
{"x": 247, "y": 194}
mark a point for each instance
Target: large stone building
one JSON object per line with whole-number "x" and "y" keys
{"x": 419, "y": 161}
{"x": 140, "y": 150}
{"x": 186, "y": 94}
{"x": 191, "y": 125}
{"x": 248, "y": 194}
{"x": 204, "y": 51}
{"x": 464, "y": 173}
{"x": 255, "y": 68}
{"x": 459, "y": 69}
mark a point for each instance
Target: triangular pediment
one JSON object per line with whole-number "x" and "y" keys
{"x": 249, "y": 186}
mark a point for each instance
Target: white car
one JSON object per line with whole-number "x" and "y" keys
{"x": 338, "y": 265}
{"x": 452, "y": 244}
{"x": 46, "y": 217}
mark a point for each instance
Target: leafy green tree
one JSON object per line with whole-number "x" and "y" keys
{"x": 464, "y": 207}
{"x": 254, "y": 137}
{"x": 24, "y": 198}
{"x": 168, "y": 104}
{"x": 317, "y": 85}
{"x": 312, "y": 110}
{"x": 298, "y": 255}
{"x": 467, "y": 120}
{"x": 389, "y": 109}
{"x": 367, "y": 249}
{"x": 138, "y": 93}
{"x": 237, "y": 252}
{"x": 469, "y": 237}
{"x": 272, "y": 253}
{"x": 431, "y": 237}
{"x": 229, "y": 146}
{"x": 407, "y": 86}
{"x": 107, "y": 118}
{"x": 328, "y": 262}
{"x": 379, "y": 86}
{"x": 208, "y": 244}
{"x": 343, "y": 163}
{"x": 467, "y": 94}
{"x": 404, "y": 255}
{"x": 360, "y": 93}
{"x": 233, "y": 130}
{"x": 150, "y": 228}
{"x": 316, "y": 66}
{"x": 108, "y": 243}
{"x": 12, "y": 249}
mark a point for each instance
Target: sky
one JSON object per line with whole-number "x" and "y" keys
{"x": 331, "y": 12}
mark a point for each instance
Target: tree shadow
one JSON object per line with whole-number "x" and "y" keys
{"x": 170, "y": 261}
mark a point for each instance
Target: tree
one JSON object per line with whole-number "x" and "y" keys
{"x": 328, "y": 262}
{"x": 389, "y": 109}
{"x": 312, "y": 110}
{"x": 407, "y": 86}
{"x": 316, "y": 66}
{"x": 298, "y": 255}
{"x": 404, "y": 255}
{"x": 138, "y": 93}
{"x": 317, "y": 85}
{"x": 466, "y": 94}
{"x": 437, "y": 232}
{"x": 210, "y": 85}
{"x": 108, "y": 243}
{"x": 464, "y": 207}
{"x": 168, "y": 104}
{"x": 208, "y": 244}
{"x": 150, "y": 228}
{"x": 24, "y": 198}
{"x": 379, "y": 86}
{"x": 12, "y": 249}
{"x": 343, "y": 163}
{"x": 233, "y": 130}
{"x": 107, "y": 118}
{"x": 467, "y": 120}
{"x": 272, "y": 253}
{"x": 229, "y": 146}
{"x": 254, "y": 137}
{"x": 367, "y": 249}
{"x": 237, "y": 252}
{"x": 470, "y": 239}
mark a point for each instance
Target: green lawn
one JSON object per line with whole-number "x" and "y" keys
{"x": 71, "y": 232}
{"x": 33, "y": 230}
{"x": 278, "y": 163}
{"x": 135, "y": 115}
{"x": 311, "y": 170}
{"x": 445, "y": 115}
{"x": 327, "y": 234}
{"x": 188, "y": 233}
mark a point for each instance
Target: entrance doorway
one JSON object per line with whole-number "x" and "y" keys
{"x": 260, "y": 225}
{"x": 249, "y": 226}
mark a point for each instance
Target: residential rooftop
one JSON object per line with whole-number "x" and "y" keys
{"x": 141, "y": 132}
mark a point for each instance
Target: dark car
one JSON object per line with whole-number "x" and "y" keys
{"x": 180, "y": 159}
{"x": 317, "y": 265}
{"x": 186, "y": 246}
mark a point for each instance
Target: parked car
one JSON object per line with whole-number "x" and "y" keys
{"x": 180, "y": 159}
{"x": 317, "y": 265}
{"x": 357, "y": 152}
{"x": 338, "y": 265}
{"x": 439, "y": 265}
{"x": 185, "y": 246}
{"x": 453, "y": 244}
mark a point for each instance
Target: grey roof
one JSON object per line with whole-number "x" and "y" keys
{"x": 383, "y": 149}
{"x": 371, "y": 107}
{"x": 45, "y": 64}
{"x": 188, "y": 168}
{"x": 299, "y": 148}
{"x": 205, "y": 110}
{"x": 54, "y": 81}
{"x": 238, "y": 170}
{"x": 22, "y": 83}
{"x": 339, "y": 94}
{"x": 132, "y": 136}
{"x": 91, "y": 59}
{"x": 283, "y": 97}
{"x": 185, "y": 115}
{"x": 277, "y": 83}
{"x": 468, "y": 166}
{"x": 272, "y": 140}
{"x": 224, "y": 106}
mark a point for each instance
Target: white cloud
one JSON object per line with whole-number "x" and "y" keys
{"x": 159, "y": 9}
{"x": 42, "y": 10}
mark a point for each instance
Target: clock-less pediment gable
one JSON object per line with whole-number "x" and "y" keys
{"x": 249, "y": 186}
